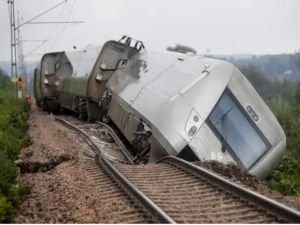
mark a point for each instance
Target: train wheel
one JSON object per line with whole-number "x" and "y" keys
{"x": 94, "y": 111}
{"x": 61, "y": 110}
{"x": 44, "y": 106}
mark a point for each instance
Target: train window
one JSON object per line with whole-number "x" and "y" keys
{"x": 238, "y": 135}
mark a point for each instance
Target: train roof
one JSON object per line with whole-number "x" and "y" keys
{"x": 83, "y": 61}
{"x": 48, "y": 54}
{"x": 168, "y": 73}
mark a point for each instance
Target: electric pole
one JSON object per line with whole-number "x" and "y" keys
{"x": 22, "y": 66}
{"x": 13, "y": 40}
{"x": 14, "y": 69}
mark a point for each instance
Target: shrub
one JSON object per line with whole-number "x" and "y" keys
{"x": 286, "y": 177}
{"x": 7, "y": 212}
{"x": 13, "y": 124}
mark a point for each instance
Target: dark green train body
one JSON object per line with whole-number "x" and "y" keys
{"x": 48, "y": 76}
{"x": 78, "y": 83}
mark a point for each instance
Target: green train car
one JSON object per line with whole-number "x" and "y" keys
{"x": 48, "y": 76}
{"x": 77, "y": 80}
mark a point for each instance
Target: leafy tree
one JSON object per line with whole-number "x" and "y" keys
{"x": 182, "y": 49}
{"x": 297, "y": 93}
{"x": 297, "y": 59}
{"x": 273, "y": 66}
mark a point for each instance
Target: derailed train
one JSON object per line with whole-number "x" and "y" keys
{"x": 193, "y": 107}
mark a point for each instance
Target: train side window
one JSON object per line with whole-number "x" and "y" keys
{"x": 123, "y": 62}
{"x": 57, "y": 66}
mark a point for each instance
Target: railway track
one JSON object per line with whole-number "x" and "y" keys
{"x": 112, "y": 197}
{"x": 141, "y": 202}
{"x": 190, "y": 194}
{"x": 177, "y": 191}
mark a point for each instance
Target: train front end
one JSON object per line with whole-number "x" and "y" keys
{"x": 52, "y": 68}
{"x": 239, "y": 127}
{"x": 196, "y": 108}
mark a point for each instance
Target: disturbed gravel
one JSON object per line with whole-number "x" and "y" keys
{"x": 190, "y": 199}
{"x": 237, "y": 175}
{"x": 61, "y": 189}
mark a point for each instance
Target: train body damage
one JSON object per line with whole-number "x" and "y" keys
{"x": 48, "y": 76}
{"x": 192, "y": 107}
{"x": 195, "y": 108}
{"x": 84, "y": 91}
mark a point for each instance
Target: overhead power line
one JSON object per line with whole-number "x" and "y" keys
{"x": 15, "y": 28}
{"x": 36, "y": 48}
{"x": 41, "y": 14}
{"x": 33, "y": 40}
{"x": 67, "y": 19}
{"x": 56, "y": 22}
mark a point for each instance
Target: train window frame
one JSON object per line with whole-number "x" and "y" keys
{"x": 252, "y": 123}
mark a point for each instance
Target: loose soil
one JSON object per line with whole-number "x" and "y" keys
{"x": 237, "y": 175}
{"x": 61, "y": 190}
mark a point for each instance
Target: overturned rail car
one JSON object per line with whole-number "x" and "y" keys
{"x": 194, "y": 107}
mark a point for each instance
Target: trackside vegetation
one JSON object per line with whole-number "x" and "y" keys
{"x": 283, "y": 97}
{"x": 13, "y": 124}
{"x": 276, "y": 78}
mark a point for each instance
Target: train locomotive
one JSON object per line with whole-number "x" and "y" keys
{"x": 163, "y": 103}
{"x": 48, "y": 76}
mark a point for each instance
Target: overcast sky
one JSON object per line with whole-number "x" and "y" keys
{"x": 223, "y": 27}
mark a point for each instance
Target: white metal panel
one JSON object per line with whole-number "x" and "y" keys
{"x": 129, "y": 82}
{"x": 208, "y": 147}
{"x": 247, "y": 95}
{"x": 83, "y": 61}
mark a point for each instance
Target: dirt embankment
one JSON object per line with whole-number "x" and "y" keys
{"x": 237, "y": 175}
{"x": 61, "y": 190}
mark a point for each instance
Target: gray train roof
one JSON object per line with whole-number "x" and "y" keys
{"x": 83, "y": 61}
{"x": 46, "y": 55}
{"x": 166, "y": 87}
{"x": 166, "y": 73}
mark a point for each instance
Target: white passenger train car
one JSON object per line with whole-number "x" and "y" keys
{"x": 196, "y": 108}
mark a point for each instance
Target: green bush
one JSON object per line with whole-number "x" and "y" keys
{"x": 7, "y": 211}
{"x": 283, "y": 97}
{"x": 8, "y": 170}
{"x": 13, "y": 124}
{"x": 286, "y": 177}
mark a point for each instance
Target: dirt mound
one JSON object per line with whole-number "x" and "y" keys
{"x": 238, "y": 175}
{"x": 232, "y": 172}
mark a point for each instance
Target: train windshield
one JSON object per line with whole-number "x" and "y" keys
{"x": 238, "y": 134}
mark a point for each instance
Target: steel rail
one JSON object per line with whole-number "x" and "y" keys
{"x": 146, "y": 202}
{"x": 133, "y": 192}
{"x": 116, "y": 138}
{"x": 282, "y": 211}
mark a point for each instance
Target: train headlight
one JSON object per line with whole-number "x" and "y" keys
{"x": 193, "y": 123}
{"x": 46, "y": 81}
{"x": 103, "y": 66}
{"x": 192, "y": 131}
{"x": 56, "y": 83}
{"x": 99, "y": 77}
